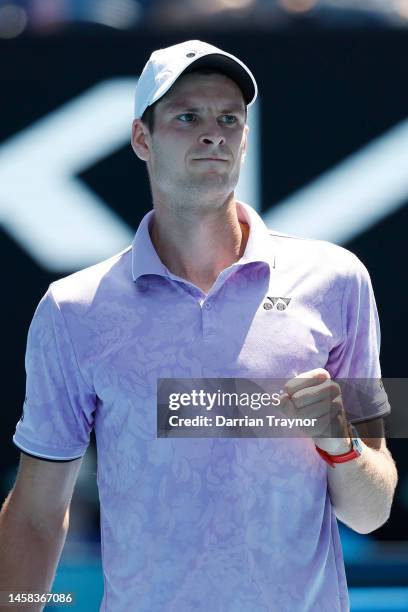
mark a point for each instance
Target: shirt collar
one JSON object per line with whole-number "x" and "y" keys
{"x": 145, "y": 259}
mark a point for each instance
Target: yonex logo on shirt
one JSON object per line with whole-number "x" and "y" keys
{"x": 281, "y": 303}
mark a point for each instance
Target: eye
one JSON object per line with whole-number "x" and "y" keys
{"x": 188, "y": 117}
{"x": 230, "y": 119}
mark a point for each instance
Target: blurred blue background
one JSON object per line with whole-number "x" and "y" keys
{"x": 328, "y": 159}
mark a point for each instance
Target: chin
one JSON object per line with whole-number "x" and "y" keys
{"x": 212, "y": 180}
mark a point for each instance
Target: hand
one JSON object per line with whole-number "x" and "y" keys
{"x": 312, "y": 395}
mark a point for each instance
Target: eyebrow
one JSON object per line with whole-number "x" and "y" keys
{"x": 233, "y": 108}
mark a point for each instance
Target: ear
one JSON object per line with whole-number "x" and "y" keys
{"x": 140, "y": 140}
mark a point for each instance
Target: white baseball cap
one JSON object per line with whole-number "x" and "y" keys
{"x": 166, "y": 65}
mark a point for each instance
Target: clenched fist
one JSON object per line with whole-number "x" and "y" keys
{"x": 315, "y": 395}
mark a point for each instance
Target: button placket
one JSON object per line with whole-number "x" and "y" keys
{"x": 207, "y": 314}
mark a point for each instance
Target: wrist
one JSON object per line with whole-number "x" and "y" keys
{"x": 334, "y": 453}
{"x": 338, "y": 445}
{"x": 335, "y": 446}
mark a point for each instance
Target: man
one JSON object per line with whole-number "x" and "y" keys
{"x": 205, "y": 291}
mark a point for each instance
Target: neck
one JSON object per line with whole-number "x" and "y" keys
{"x": 198, "y": 245}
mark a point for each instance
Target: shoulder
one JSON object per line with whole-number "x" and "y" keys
{"x": 318, "y": 256}
{"x": 96, "y": 282}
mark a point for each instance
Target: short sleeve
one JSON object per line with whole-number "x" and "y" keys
{"x": 59, "y": 406}
{"x": 356, "y": 359}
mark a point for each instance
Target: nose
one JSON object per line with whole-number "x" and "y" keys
{"x": 212, "y": 135}
{"x": 212, "y": 139}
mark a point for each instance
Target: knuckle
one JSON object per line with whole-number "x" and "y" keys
{"x": 287, "y": 388}
{"x": 334, "y": 388}
{"x": 322, "y": 373}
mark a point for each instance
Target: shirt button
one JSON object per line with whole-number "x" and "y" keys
{"x": 207, "y": 305}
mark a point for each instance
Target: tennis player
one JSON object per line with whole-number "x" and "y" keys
{"x": 205, "y": 291}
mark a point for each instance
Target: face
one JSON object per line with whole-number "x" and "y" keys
{"x": 199, "y": 137}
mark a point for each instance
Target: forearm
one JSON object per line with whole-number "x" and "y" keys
{"x": 29, "y": 555}
{"x": 362, "y": 490}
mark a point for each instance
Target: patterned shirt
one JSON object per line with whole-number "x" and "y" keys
{"x": 221, "y": 524}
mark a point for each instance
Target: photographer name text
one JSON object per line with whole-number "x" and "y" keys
{"x": 221, "y": 421}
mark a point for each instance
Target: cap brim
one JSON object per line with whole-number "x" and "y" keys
{"x": 231, "y": 68}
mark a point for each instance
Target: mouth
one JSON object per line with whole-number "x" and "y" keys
{"x": 218, "y": 159}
